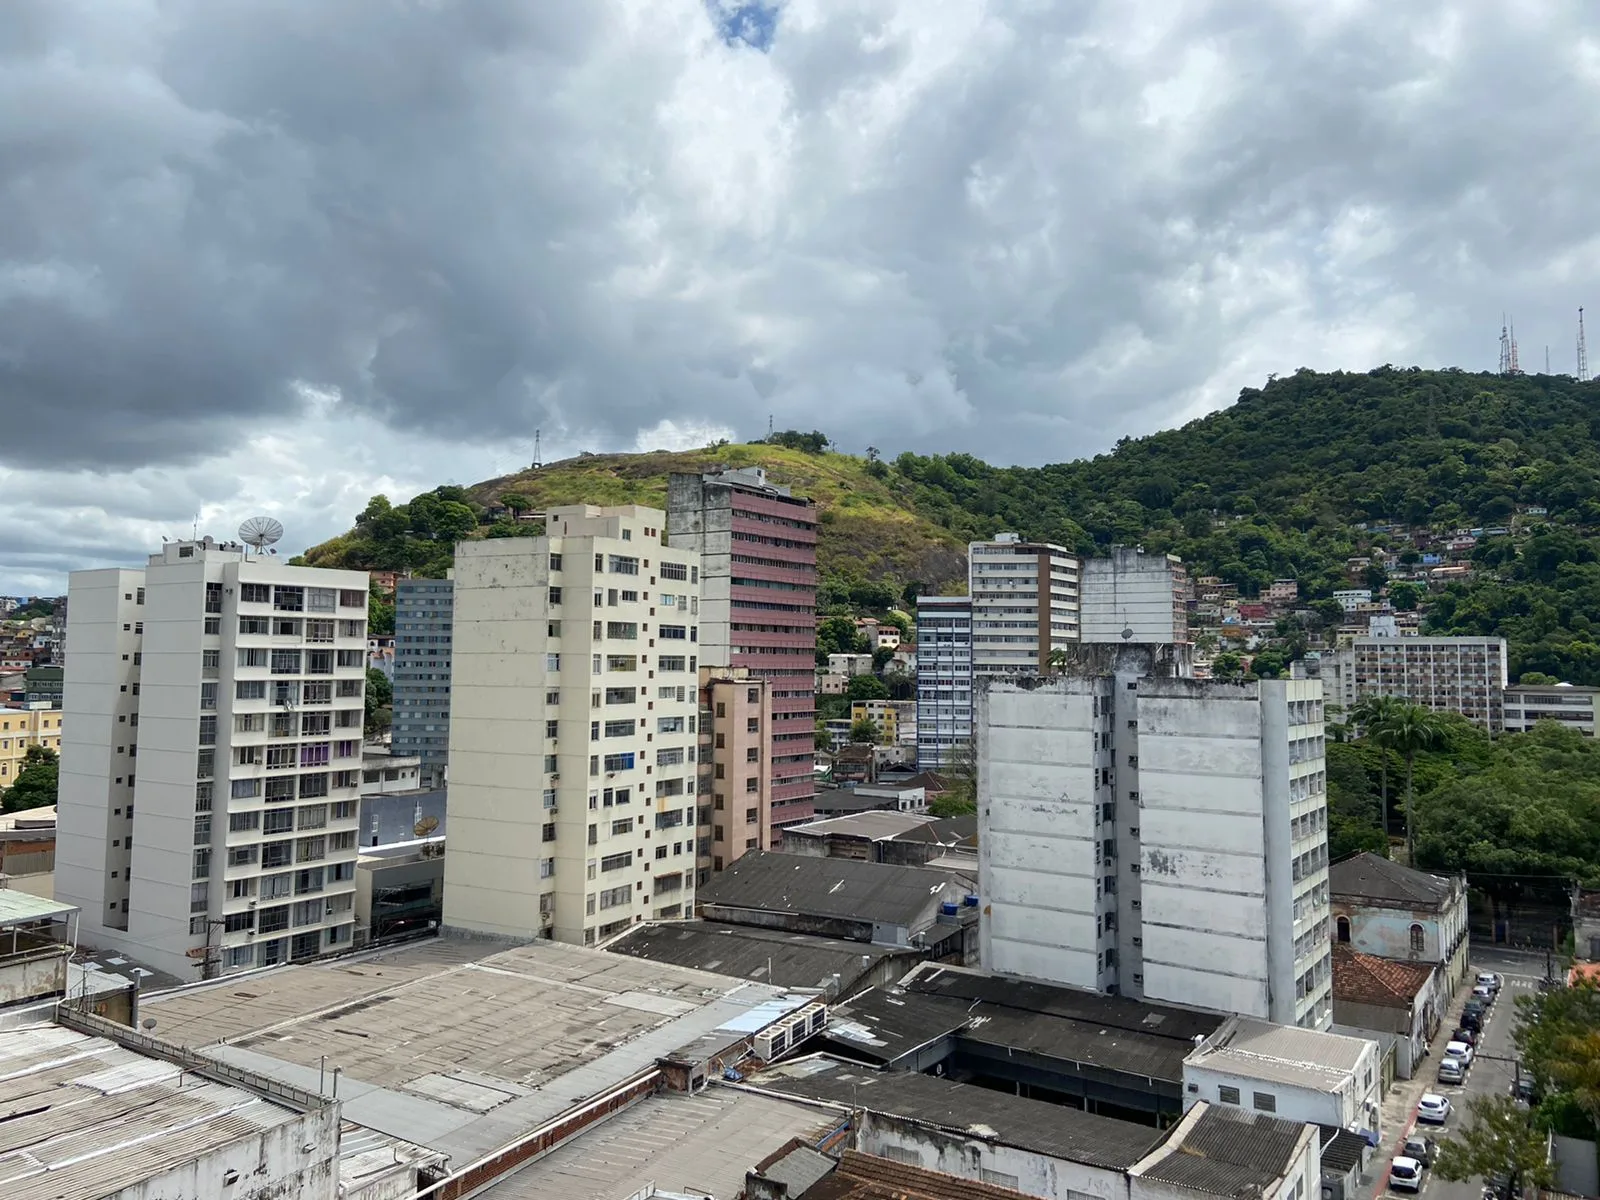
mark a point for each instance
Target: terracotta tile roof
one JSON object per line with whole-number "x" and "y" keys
{"x": 865, "y": 1177}
{"x": 1368, "y": 979}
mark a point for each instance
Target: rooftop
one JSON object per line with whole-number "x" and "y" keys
{"x": 1367, "y": 979}
{"x": 1367, "y": 877}
{"x": 1281, "y": 1053}
{"x": 797, "y": 960}
{"x": 830, "y": 887}
{"x": 85, "y": 1117}
{"x": 874, "y": 825}
{"x": 1225, "y": 1152}
{"x": 865, "y": 1177}
{"x": 388, "y": 819}
{"x": 19, "y": 908}
{"x": 992, "y": 1116}
{"x": 700, "y": 1143}
{"x": 458, "y": 1045}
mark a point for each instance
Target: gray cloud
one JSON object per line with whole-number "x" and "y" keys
{"x": 1021, "y": 229}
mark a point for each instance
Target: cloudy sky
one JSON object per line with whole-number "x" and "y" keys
{"x": 278, "y": 255}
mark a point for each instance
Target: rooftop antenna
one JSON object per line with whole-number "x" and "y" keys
{"x": 1505, "y": 347}
{"x": 769, "y": 427}
{"x": 537, "y": 434}
{"x": 1516, "y": 369}
{"x": 260, "y": 532}
{"x": 1583, "y": 350}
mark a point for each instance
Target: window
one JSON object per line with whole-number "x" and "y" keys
{"x": 555, "y": 562}
{"x": 1418, "y": 939}
{"x": 552, "y": 729}
{"x": 616, "y": 862}
{"x": 284, "y": 662}
{"x": 1264, "y": 1101}
{"x": 619, "y": 762}
{"x": 202, "y": 864}
{"x": 752, "y": 784}
{"x": 278, "y": 821}
{"x": 289, "y": 599}
{"x": 552, "y": 697}
{"x": 1343, "y": 927}
{"x": 1227, "y": 1095}
{"x": 352, "y": 598}
{"x": 240, "y": 821}
{"x": 620, "y": 728}
{"x": 250, "y": 689}
{"x": 670, "y": 570}
{"x": 321, "y": 599}
{"x": 213, "y": 597}
{"x": 552, "y": 662}
{"x": 241, "y": 856}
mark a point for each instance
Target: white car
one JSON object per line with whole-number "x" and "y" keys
{"x": 1484, "y": 993}
{"x": 1405, "y": 1175}
{"x": 1459, "y": 1050}
{"x": 1489, "y": 980}
{"x": 1432, "y": 1109}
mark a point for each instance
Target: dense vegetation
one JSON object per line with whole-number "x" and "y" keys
{"x": 35, "y": 785}
{"x": 1274, "y": 486}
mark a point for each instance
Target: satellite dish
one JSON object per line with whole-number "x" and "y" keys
{"x": 425, "y": 826}
{"x": 260, "y": 532}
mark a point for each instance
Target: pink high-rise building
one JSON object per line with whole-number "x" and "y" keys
{"x": 758, "y": 607}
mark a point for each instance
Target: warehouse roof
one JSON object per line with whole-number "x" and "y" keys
{"x": 982, "y": 1113}
{"x": 1225, "y": 1152}
{"x": 873, "y": 825}
{"x": 1281, "y": 1053}
{"x": 797, "y": 960}
{"x": 830, "y": 887}
{"x": 865, "y": 1177}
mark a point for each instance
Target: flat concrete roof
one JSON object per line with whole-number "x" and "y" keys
{"x": 457, "y": 1045}
{"x": 18, "y": 908}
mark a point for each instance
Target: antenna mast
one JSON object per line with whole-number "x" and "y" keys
{"x": 537, "y": 463}
{"x": 1583, "y": 351}
{"x": 1505, "y": 347}
{"x": 1516, "y": 369}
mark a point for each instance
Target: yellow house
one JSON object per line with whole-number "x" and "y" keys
{"x": 21, "y": 728}
{"x": 892, "y": 717}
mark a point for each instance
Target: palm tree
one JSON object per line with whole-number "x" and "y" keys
{"x": 1369, "y": 714}
{"x": 1407, "y": 729}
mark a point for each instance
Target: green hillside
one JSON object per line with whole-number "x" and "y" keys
{"x": 1274, "y": 486}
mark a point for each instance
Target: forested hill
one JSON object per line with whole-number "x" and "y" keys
{"x": 1270, "y": 487}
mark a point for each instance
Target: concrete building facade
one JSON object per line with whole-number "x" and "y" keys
{"x": 422, "y": 633}
{"x": 1569, "y": 706}
{"x": 1025, "y": 603}
{"x": 1162, "y": 837}
{"x": 735, "y": 788}
{"x": 220, "y": 697}
{"x": 1393, "y": 911}
{"x": 1131, "y": 596}
{"x": 944, "y": 680}
{"x": 36, "y": 723}
{"x": 756, "y": 545}
{"x": 1465, "y": 675}
{"x": 572, "y": 745}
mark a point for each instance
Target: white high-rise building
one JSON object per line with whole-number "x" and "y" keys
{"x": 574, "y": 696}
{"x": 1024, "y": 604}
{"x": 1158, "y": 836}
{"x": 211, "y": 763}
{"x": 1131, "y": 596}
{"x": 1465, "y": 675}
{"x": 944, "y": 680}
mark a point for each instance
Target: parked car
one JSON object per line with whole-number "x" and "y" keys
{"x": 1421, "y": 1148}
{"x": 1472, "y": 1019}
{"x": 1489, "y": 980}
{"x": 1451, "y": 1070}
{"x": 1405, "y": 1175}
{"x": 1459, "y": 1050}
{"x": 1486, "y": 994}
{"x": 1469, "y": 1036}
{"x": 1432, "y": 1109}
{"x": 1522, "y": 1088}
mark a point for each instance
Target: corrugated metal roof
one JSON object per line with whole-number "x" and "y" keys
{"x": 1227, "y": 1152}
{"x": 19, "y": 907}
{"x": 830, "y": 887}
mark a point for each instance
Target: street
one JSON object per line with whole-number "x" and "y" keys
{"x": 1493, "y": 1066}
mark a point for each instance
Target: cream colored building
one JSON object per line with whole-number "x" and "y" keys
{"x": 575, "y": 694}
{"x": 1024, "y": 604}
{"x": 21, "y": 727}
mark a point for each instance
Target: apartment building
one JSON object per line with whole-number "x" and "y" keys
{"x": 896, "y": 720}
{"x": 1160, "y": 837}
{"x": 1131, "y": 596}
{"x": 1465, "y": 675}
{"x": 944, "y": 680}
{"x": 211, "y": 758}
{"x": 421, "y": 725}
{"x": 21, "y": 727}
{"x": 756, "y": 544}
{"x": 1024, "y": 604}
{"x": 574, "y": 701}
{"x": 1527, "y": 704}
{"x": 735, "y": 789}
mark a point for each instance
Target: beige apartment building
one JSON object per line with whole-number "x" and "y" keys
{"x": 1570, "y": 706}
{"x": 23, "y": 726}
{"x": 735, "y": 720}
{"x": 1024, "y": 598}
{"x": 1465, "y": 675}
{"x": 574, "y": 702}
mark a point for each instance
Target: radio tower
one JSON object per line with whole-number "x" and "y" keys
{"x": 1583, "y": 351}
{"x": 537, "y": 434}
{"x": 1516, "y": 369}
{"x": 1505, "y": 347}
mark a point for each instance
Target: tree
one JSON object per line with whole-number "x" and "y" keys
{"x": 864, "y": 730}
{"x": 866, "y": 687}
{"x": 1405, "y": 596}
{"x": 1537, "y": 679}
{"x": 1367, "y": 714}
{"x": 1227, "y": 667}
{"x": 380, "y": 696}
{"x": 1407, "y": 729}
{"x": 35, "y": 785}
{"x": 838, "y": 635}
{"x": 1501, "y": 1142}
{"x": 517, "y": 502}
{"x": 380, "y": 615}
{"x": 960, "y": 797}
{"x": 882, "y": 657}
